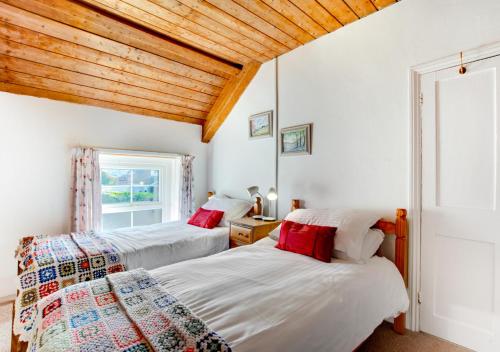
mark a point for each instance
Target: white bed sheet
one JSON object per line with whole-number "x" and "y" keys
{"x": 260, "y": 298}
{"x": 158, "y": 245}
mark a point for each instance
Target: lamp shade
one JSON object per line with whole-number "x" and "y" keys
{"x": 272, "y": 195}
{"x": 253, "y": 191}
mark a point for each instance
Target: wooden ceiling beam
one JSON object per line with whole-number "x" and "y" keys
{"x": 187, "y": 106}
{"x": 340, "y": 10}
{"x": 32, "y": 80}
{"x": 43, "y": 93}
{"x": 204, "y": 21}
{"x": 168, "y": 81}
{"x": 163, "y": 21}
{"x": 236, "y": 24}
{"x": 228, "y": 99}
{"x": 110, "y": 30}
{"x": 298, "y": 17}
{"x": 318, "y": 14}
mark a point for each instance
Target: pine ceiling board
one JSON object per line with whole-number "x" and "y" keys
{"x": 43, "y": 93}
{"x": 145, "y": 88}
{"x": 294, "y": 14}
{"x": 276, "y": 19}
{"x": 340, "y": 10}
{"x": 206, "y": 22}
{"x": 53, "y": 28}
{"x": 258, "y": 23}
{"x": 380, "y": 4}
{"x": 81, "y": 17}
{"x": 362, "y": 8}
{"x": 318, "y": 14}
{"x": 25, "y": 66}
{"x": 163, "y": 21}
{"x": 168, "y": 82}
{"x": 234, "y": 23}
{"x": 32, "y": 80}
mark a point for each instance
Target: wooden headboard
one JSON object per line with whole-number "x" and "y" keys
{"x": 398, "y": 228}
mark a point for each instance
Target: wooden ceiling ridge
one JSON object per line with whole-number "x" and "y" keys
{"x": 183, "y": 60}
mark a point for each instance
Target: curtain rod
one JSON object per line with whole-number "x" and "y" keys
{"x": 128, "y": 152}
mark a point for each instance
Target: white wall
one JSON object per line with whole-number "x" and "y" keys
{"x": 353, "y": 85}
{"x": 238, "y": 162}
{"x": 36, "y": 136}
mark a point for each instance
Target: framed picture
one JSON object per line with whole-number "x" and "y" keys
{"x": 296, "y": 140}
{"x": 261, "y": 125}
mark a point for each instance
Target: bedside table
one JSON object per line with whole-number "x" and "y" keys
{"x": 248, "y": 230}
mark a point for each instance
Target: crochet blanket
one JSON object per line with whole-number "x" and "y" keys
{"x": 49, "y": 263}
{"x": 126, "y": 311}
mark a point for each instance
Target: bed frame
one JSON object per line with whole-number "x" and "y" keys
{"x": 20, "y": 346}
{"x": 399, "y": 228}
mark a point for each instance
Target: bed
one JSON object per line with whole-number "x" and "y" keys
{"x": 49, "y": 263}
{"x": 260, "y": 298}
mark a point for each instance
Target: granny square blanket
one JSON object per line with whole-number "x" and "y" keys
{"x": 126, "y": 312}
{"x": 50, "y": 263}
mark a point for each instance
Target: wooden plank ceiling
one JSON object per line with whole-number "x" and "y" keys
{"x": 184, "y": 60}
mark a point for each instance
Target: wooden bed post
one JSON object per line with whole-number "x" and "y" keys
{"x": 295, "y": 204}
{"x": 401, "y": 260}
{"x": 210, "y": 194}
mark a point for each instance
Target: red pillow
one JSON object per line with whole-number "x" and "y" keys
{"x": 311, "y": 240}
{"x": 207, "y": 219}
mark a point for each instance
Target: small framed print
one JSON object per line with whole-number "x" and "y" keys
{"x": 296, "y": 140}
{"x": 260, "y": 125}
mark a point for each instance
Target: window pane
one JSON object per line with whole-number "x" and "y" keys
{"x": 147, "y": 217}
{"x": 116, "y": 220}
{"x": 146, "y": 177}
{"x": 115, "y": 194}
{"x": 115, "y": 177}
{"x": 145, "y": 194}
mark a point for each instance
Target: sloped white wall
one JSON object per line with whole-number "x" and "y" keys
{"x": 36, "y": 136}
{"x": 238, "y": 162}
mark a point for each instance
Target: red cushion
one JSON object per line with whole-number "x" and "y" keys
{"x": 311, "y": 240}
{"x": 207, "y": 219}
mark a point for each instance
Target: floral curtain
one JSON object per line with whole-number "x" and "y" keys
{"x": 187, "y": 193}
{"x": 86, "y": 190}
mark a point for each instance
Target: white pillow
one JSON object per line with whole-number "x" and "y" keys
{"x": 233, "y": 208}
{"x": 352, "y": 226}
{"x": 275, "y": 234}
{"x": 371, "y": 244}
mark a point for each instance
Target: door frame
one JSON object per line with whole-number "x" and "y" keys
{"x": 415, "y": 182}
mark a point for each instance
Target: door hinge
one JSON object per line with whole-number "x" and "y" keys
{"x": 421, "y": 98}
{"x": 419, "y": 298}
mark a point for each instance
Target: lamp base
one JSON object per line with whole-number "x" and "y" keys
{"x": 258, "y": 217}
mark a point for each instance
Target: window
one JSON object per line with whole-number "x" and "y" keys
{"x": 139, "y": 190}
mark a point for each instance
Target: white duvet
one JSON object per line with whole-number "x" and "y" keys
{"x": 157, "y": 245}
{"x": 260, "y": 298}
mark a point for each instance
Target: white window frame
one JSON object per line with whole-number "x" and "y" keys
{"x": 169, "y": 182}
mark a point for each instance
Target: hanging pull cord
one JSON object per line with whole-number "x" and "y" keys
{"x": 462, "y": 68}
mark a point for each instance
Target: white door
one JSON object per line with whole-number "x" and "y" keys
{"x": 460, "y": 253}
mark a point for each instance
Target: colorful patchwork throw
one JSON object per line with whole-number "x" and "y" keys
{"x": 50, "y": 263}
{"x": 126, "y": 312}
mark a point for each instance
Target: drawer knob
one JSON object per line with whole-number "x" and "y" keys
{"x": 244, "y": 234}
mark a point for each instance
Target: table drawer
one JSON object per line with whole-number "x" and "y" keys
{"x": 242, "y": 234}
